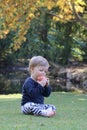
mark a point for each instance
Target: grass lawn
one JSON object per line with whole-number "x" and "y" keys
{"x": 71, "y": 113}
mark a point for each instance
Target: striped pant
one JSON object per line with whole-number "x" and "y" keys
{"x": 37, "y": 109}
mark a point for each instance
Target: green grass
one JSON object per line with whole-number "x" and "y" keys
{"x": 71, "y": 113}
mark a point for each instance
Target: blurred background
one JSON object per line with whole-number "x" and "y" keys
{"x": 55, "y": 29}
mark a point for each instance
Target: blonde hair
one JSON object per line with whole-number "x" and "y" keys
{"x": 38, "y": 61}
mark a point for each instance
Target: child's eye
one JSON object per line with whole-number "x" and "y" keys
{"x": 41, "y": 70}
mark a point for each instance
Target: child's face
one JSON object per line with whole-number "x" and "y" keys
{"x": 38, "y": 71}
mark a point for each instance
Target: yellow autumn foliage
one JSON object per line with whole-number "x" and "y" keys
{"x": 17, "y": 14}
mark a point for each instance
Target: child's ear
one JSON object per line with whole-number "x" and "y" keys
{"x": 31, "y": 68}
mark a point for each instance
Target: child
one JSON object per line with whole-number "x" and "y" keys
{"x": 35, "y": 88}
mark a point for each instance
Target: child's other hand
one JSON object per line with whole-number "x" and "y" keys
{"x": 44, "y": 81}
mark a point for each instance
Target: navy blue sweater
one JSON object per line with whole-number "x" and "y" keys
{"x": 34, "y": 92}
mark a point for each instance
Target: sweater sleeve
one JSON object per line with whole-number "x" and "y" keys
{"x": 47, "y": 91}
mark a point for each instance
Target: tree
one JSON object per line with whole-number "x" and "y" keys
{"x": 16, "y": 15}
{"x": 55, "y": 40}
{"x": 80, "y": 17}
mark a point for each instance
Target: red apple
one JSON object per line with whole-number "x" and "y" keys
{"x": 40, "y": 78}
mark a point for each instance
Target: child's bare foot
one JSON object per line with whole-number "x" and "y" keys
{"x": 51, "y": 113}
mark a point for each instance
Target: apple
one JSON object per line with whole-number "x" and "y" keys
{"x": 40, "y": 78}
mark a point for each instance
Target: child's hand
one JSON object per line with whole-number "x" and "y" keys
{"x": 44, "y": 81}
